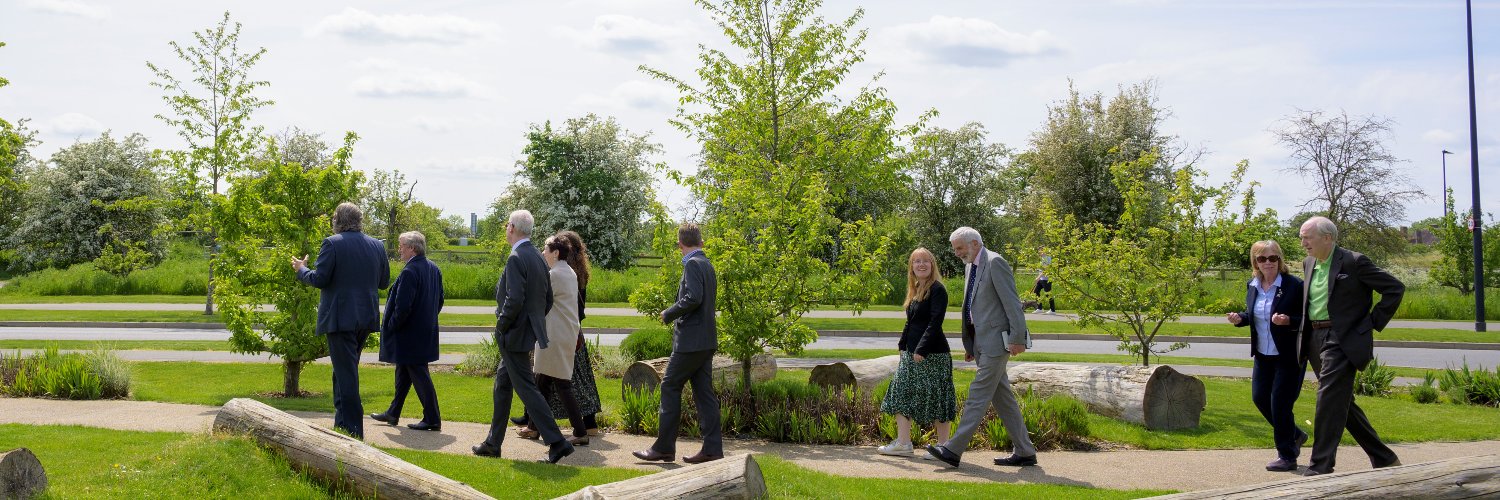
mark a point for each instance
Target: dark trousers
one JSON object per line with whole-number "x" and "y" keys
{"x": 564, "y": 389}
{"x": 515, "y": 375}
{"x": 1336, "y": 409}
{"x": 415, "y": 374}
{"x": 1275, "y": 383}
{"x": 1044, "y": 286}
{"x": 683, "y": 367}
{"x": 348, "y": 410}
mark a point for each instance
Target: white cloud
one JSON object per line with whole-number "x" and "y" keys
{"x": 358, "y": 25}
{"x": 633, "y": 94}
{"x": 67, "y": 8}
{"x": 433, "y": 124}
{"x": 970, "y": 42}
{"x": 478, "y": 166}
{"x": 75, "y": 125}
{"x": 1438, "y": 136}
{"x": 387, "y": 78}
{"x": 626, "y": 34}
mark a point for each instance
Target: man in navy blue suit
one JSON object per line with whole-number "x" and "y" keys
{"x": 409, "y": 333}
{"x": 351, "y": 270}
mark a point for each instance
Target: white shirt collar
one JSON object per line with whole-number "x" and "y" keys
{"x": 518, "y": 244}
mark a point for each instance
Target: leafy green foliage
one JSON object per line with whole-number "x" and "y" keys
{"x": 958, "y": 179}
{"x": 94, "y": 375}
{"x": 1473, "y": 386}
{"x": 1425, "y": 393}
{"x": 1374, "y": 380}
{"x": 647, "y": 343}
{"x": 1455, "y": 267}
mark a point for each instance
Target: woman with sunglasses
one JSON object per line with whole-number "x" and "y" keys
{"x": 1273, "y": 309}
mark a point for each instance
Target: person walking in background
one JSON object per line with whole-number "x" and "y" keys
{"x": 585, "y": 389}
{"x": 922, "y": 388}
{"x": 409, "y": 333}
{"x": 1043, "y": 284}
{"x": 350, "y": 271}
{"x": 554, "y": 363}
{"x": 695, "y": 338}
{"x": 524, "y": 294}
{"x": 994, "y": 329}
{"x": 1273, "y": 310}
{"x": 1342, "y": 325}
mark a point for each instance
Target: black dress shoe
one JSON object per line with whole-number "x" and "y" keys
{"x": 424, "y": 426}
{"x": 579, "y": 440}
{"x": 943, "y": 454}
{"x": 1315, "y": 472}
{"x": 1393, "y": 463}
{"x": 1301, "y": 439}
{"x": 1016, "y": 461}
{"x": 701, "y": 457}
{"x": 1281, "y": 465}
{"x": 486, "y": 449}
{"x": 557, "y": 451}
{"x": 651, "y": 455}
{"x": 385, "y": 417}
{"x": 521, "y": 420}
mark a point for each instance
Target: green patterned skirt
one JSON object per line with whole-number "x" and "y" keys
{"x": 584, "y": 387}
{"x": 922, "y": 391}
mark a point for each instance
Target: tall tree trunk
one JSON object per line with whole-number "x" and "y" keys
{"x": 292, "y": 377}
{"x": 213, "y": 247}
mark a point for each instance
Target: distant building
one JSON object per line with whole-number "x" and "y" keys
{"x": 1422, "y": 236}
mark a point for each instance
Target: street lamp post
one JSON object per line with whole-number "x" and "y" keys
{"x": 1478, "y": 227}
{"x": 1446, "y": 212}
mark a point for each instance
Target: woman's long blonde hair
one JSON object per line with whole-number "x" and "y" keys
{"x": 1266, "y": 247}
{"x": 917, "y": 288}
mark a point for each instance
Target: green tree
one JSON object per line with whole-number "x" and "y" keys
{"x": 774, "y": 178}
{"x": 211, "y": 112}
{"x": 15, "y": 144}
{"x": 91, "y": 199}
{"x": 1247, "y": 229}
{"x": 1455, "y": 266}
{"x": 274, "y": 211}
{"x": 387, "y": 200}
{"x": 956, "y": 181}
{"x": 1132, "y": 277}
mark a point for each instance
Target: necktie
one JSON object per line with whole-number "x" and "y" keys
{"x": 969, "y": 294}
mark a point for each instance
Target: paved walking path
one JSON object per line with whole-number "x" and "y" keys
{"x": 1180, "y": 470}
{"x": 621, "y": 311}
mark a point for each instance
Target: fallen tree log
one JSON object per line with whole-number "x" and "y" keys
{"x": 21, "y": 475}
{"x": 732, "y": 477}
{"x": 1464, "y": 477}
{"x": 864, "y": 374}
{"x": 1158, "y": 396}
{"x": 648, "y": 374}
{"x": 334, "y": 457}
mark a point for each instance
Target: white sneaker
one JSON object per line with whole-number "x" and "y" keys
{"x": 1037, "y": 311}
{"x": 893, "y": 449}
{"x": 1052, "y": 312}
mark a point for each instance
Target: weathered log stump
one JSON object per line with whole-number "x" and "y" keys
{"x": 647, "y": 375}
{"x": 21, "y": 475}
{"x": 1158, "y": 396}
{"x": 1464, "y": 477}
{"x": 864, "y": 374}
{"x": 336, "y": 458}
{"x": 732, "y": 477}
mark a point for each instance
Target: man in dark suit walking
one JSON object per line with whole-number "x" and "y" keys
{"x": 525, "y": 295}
{"x": 1342, "y": 325}
{"x": 350, "y": 269}
{"x": 409, "y": 334}
{"x": 695, "y": 339}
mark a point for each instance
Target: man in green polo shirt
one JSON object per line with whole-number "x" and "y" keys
{"x": 1338, "y": 338}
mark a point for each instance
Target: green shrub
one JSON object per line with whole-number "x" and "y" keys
{"x": 640, "y": 412}
{"x": 480, "y": 360}
{"x": 609, "y": 361}
{"x": 1477, "y": 386}
{"x": 1425, "y": 393}
{"x": 1374, "y": 380}
{"x": 647, "y": 343}
{"x": 1054, "y": 422}
{"x": 97, "y": 375}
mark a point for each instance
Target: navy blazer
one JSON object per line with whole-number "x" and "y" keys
{"x": 693, "y": 314}
{"x": 923, "y": 333}
{"x": 409, "y": 334}
{"x": 351, "y": 270}
{"x": 524, "y": 295}
{"x": 1288, "y": 301}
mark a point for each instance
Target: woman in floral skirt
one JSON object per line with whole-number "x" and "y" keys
{"x": 922, "y": 389}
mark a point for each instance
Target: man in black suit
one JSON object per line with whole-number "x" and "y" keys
{"x": 1342, "y": 325}
{"x": 525, "y": 295}
{"x": 351, "y": 268}
{"x": 695, "y": 340}
{"x": 409, "y": 334}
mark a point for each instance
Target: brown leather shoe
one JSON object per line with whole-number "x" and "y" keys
{"x": 650, "y": 455}
{"x": 701, "y": 457}
{"x": 527, "y": 433}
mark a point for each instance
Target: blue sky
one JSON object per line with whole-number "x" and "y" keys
{"x": 444, "y": 90}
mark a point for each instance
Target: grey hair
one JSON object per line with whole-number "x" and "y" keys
{"x": 523, "y": 222}
{"x": 415, "y": 240}
{"x": 348, "y": 217}
{"x": 1324, "y": 226}
{"x": 966, "y": 234}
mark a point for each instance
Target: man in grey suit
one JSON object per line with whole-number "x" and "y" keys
{"x": 524, "y": 294}
{"x": 693, "y": 345}
{"x": 1339, "y": 327}
{"x": 994, "y": 329}
{"x": 350, "y": 270}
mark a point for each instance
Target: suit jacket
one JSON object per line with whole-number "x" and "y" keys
{"x": 556, "y": 358}
{"x": 1352, "y": 277}
{"x": 996, "y": 309}
{"x": 409, "y": 334}
{"x": 1288, "y": 300}
{"x": 695, "y": 326}
{"x": 350, "y": 270}
{"x": 923, "y": 333}
{"x": 524, "y": 295}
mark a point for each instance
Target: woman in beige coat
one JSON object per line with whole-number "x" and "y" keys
{"x": 554, "y": 365}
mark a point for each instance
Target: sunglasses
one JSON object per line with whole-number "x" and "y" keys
{"x": 1261, "y": 259}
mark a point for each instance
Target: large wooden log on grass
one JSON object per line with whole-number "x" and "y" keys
{"x": 736, "y": 477}
{"x": 1157, "y": 396}
{"x": 334, "y": 457}
{"x": 21, "y": 475}
{"x": 648, "y": 374}
{"x": 864, "y": 374}
{"x": 1464, "y": 477}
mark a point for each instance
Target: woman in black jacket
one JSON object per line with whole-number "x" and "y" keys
{"x": 1273, "y": 310}
{"x": 922, "y": 389}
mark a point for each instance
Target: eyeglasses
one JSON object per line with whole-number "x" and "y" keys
{"x": 1261, "y": 259}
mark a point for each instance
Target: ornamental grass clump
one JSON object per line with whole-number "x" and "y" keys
{"x": 96, "y": 375}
